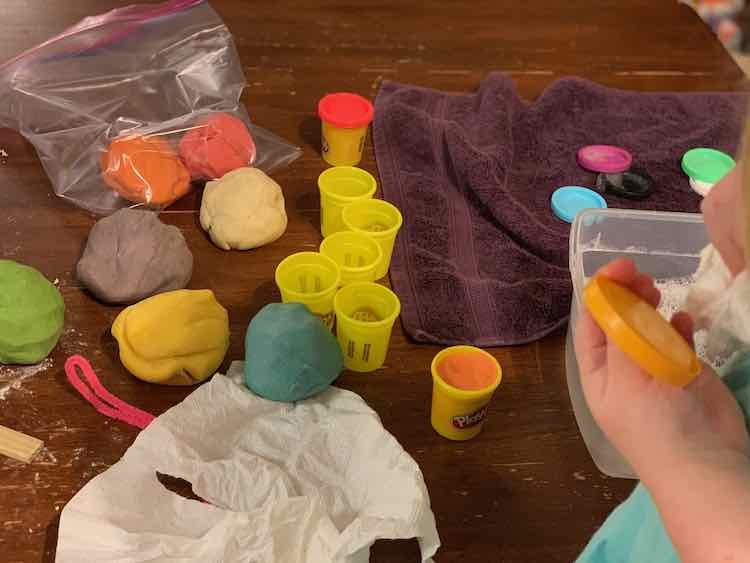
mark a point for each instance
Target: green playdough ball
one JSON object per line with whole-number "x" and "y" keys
{"x": 31, "y": 314}
{"x": 289, "y": 353}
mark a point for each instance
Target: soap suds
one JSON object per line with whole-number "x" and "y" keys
{"x": 13, "y": 377}
{"x": 674, "y": 293}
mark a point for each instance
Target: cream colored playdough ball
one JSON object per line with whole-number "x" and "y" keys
{"x": 243, "y": 209}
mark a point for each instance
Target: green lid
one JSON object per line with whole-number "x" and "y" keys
{"x": 707, "y": 165}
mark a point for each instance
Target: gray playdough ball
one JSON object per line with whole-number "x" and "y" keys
{"x": 131, "y": 255}
{"x": 289, "y": 353}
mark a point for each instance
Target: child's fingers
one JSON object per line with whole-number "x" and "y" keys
{"x": 623, "y": 271}
{"x": 590, "y": 344}
{"x": 620, "y": 270}
{"x": 643, "y": 285}
{"x": 683, "y": 323}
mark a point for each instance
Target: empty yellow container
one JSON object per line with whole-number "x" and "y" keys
{"x": 459, "y": 414}
{"x": 339, "y": 186}
{"x": 356, "y": 255}
{"x": 365, "y": 313}
{"x": 378, "y": 219}
{"x": 311, "y": 279}
{"x": 345, "y": 118}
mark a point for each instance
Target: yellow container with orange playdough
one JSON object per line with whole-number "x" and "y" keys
{"x": 464, "y": 380}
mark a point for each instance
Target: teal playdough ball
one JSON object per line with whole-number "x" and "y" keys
{"x": 31, "y": 314}
{"x": 289, "y": 353}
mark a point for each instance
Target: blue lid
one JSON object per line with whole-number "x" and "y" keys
{"x": 569, "y": 200}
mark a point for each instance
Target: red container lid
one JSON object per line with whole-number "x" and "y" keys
{"x": 345, "y": 110}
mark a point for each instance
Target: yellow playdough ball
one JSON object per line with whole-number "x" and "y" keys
{"x": 174, "y": 338}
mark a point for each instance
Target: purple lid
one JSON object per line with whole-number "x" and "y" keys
{"x": 605, "y": 158}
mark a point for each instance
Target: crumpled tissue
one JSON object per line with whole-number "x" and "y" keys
{"x": 310, "y": 482}
{"x": 720, "y": 304}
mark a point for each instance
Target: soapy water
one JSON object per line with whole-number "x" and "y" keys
{"x": 674, "y": 293}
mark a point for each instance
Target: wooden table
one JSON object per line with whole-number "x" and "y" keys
{"x": 526, "y": 490}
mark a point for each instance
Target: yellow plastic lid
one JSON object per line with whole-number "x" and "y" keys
{"x": 641, "y": 332}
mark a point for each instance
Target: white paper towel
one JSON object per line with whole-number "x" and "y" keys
{"x": 720, "y": 304}
{"x": 312, "y": 482}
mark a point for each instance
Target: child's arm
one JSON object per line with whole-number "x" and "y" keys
{"x": 704, "y": 501}
{"x": 689, "y": 445}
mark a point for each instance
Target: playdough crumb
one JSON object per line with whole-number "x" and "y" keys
{"x": 469, "y": 371}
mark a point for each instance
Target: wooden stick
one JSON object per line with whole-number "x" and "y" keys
{"x": 18, "y": 446}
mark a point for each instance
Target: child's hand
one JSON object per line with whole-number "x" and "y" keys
{"x": 653, "y": 424}
{"x": 724, "y": 215}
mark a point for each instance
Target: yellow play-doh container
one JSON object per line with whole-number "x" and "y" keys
{"x": 356, "y": 255}
{"x": 311, "y": 279}
{"x": 344, "y": 118}
{"x": 459, "y": 414}
{"x": 339, "y": 186}
{"x": 377, "y": 219}
{"x": 342, "y": 147}
{"x": 365, "y": 314}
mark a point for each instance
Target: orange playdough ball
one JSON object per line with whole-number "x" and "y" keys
{"x": 144, "y": 170}
{"x": 216, "y": 145}
{"x": 470, "y": 371}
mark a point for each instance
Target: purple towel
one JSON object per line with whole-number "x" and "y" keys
{"x": 481, "y": 258}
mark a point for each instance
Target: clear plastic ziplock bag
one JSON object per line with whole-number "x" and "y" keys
{"x": 127, "y": 107}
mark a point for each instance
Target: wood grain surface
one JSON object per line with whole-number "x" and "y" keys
{"x": 526, "y": 490}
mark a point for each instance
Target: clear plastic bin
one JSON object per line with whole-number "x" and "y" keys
{"x": 665, "y": 245}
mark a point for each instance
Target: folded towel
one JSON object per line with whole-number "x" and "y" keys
{"x": 481, "y": 258}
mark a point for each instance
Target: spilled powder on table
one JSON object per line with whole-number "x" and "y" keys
{"x": 73, "y": 342}
{"x": 13, "y": 377}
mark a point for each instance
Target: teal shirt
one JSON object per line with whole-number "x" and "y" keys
{"x": 634, "y": 532}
